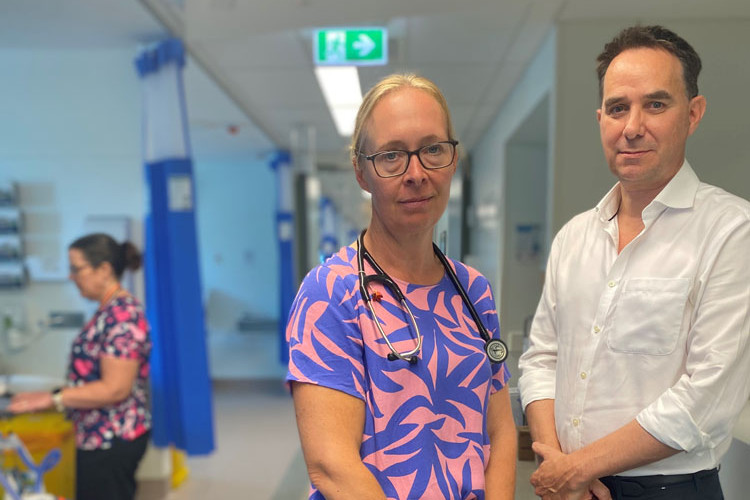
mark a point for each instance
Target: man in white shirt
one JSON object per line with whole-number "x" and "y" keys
{"x": 639, "y": 360}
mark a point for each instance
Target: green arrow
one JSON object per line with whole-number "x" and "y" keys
{"x": 364, "y": 45}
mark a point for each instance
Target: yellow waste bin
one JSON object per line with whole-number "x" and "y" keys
{"x": 40, "y": 433}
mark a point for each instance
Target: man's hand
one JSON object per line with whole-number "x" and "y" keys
{"x": 558, "y": 478}
{"x": 556, "y": 474}
{"x": 599, "y": 491}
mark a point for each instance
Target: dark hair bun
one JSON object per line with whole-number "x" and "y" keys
{"x": 132, "y": 256}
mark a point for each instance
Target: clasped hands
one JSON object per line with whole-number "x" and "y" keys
{"x": 558, "y": 477}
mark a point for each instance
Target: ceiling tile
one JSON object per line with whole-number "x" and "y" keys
{"x": 469, "y": 36}
{"x": 284, "y": 49}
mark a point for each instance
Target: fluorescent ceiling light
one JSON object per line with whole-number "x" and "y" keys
{"x": 343, "y": 95}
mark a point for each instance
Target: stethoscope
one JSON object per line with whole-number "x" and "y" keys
{"x": 495, "y": 348}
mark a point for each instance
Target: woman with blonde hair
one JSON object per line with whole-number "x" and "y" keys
{"x": 396, "y": 366}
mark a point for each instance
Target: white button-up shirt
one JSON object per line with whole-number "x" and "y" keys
{"x": 658, "y": 332}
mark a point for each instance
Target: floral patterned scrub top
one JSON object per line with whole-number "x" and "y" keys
{"x": 425, "y": 433}
{"x": 119, "y": 330}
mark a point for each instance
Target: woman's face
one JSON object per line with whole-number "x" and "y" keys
{"x": 89, "y": 280}
{"x": 406, "y": 119}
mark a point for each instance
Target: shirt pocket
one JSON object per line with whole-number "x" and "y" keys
{"x": 648, "y": 316}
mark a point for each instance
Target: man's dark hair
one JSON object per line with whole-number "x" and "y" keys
{"x": 653, "y": 37}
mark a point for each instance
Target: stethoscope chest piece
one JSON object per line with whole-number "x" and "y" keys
{"x": 496, "y": 350}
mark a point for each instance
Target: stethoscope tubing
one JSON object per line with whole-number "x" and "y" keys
{"x": 409, "y": 356}
{"x": 492, "y": 346}
{"x": 460, "y": 289}
{"x": 362, "y": 252}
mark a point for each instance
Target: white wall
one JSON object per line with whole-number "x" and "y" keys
{"x": 733, "y": 472}
{"x": 239, "y": 266}
{"x": 70, "y": 137}
{"x": 488, "y": 164}
{"x": 525, "y": 204}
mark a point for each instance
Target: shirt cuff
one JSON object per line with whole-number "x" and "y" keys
{"x": 537, "y": 385}
{"x": 672, "y": 425}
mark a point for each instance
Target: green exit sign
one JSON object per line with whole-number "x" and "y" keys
{"x": 351, "y": 46}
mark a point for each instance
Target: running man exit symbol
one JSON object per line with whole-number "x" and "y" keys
{"x": 351, "y": 46}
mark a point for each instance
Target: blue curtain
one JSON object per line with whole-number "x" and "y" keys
{"x": 281, "y": 163}
{"x": 329, "y": 244}
{"x": 180, "y": 382}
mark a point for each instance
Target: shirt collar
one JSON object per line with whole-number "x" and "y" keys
{"x": 678, "y": 193}
{"x": 607, "y": 207}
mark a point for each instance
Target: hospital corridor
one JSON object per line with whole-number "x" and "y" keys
{"x": 442, "y": 223}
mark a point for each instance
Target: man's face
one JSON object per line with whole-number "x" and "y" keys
{"x": 646, "y": 117}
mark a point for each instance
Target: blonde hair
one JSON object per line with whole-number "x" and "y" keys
{"x": 381, "y": 89}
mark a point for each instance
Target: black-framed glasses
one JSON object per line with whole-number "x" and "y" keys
{"x": 432, "y": 157}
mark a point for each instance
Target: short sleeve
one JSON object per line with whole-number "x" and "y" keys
{"x": 126, "y": 333}
{"x": 325, "y": 341}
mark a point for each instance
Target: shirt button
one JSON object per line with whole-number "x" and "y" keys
{"x": 583, "y": 375}
{"x": 612, "y": 284}
{"x": 576, "y": 422}
{"x": 597, "y": 329}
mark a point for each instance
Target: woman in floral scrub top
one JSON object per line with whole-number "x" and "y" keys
{"x": 106, "y": 396}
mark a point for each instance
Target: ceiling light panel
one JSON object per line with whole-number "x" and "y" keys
{"x": 342, "y": 93}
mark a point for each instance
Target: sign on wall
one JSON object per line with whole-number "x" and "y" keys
{"x": 351, "y": 47}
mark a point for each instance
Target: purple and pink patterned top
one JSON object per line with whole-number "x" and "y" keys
{"x": 119, "y": 330}
{"x": 425, "y": 433}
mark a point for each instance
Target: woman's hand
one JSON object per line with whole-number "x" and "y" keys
{"x": 26, "y": 402}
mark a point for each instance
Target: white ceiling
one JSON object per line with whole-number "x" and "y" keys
{"x": 259, "y": 52}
